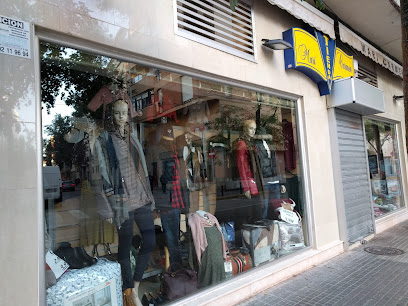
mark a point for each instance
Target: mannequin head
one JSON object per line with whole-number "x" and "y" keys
{"x": 120, "y": 114}
{"x": 249, "y": 128}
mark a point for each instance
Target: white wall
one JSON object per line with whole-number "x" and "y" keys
{"x": 19, "y": 237}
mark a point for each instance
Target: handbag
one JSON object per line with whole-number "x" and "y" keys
{"x": 179, "y": 283}
{"x": 240, "y": 262}
{"x": 127, "y": 300}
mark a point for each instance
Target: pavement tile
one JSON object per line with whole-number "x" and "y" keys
{"x": 353, "y": 278}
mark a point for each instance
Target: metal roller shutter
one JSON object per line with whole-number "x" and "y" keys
{"x": 354, "y": 173}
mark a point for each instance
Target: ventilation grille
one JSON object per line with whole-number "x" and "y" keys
{"x": 367, "y": 76}
{"x": 213, "y": 23}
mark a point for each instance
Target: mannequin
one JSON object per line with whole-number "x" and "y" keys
{"x": 196, "y": 174}
{"x": 123, "y": 195}
{"x": 247, "y": 160}
{"x": 209, "y": 246}
{"x": 170, "y": 204}
{"x": 218, "y": 166}
{"x": 250, "y": 171}
{"x": 271, "y": 178}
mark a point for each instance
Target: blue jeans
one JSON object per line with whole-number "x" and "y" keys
{"x": 171, "y": 226}
{"x": 144, "y": 220}
{"x": 272, "y": 191}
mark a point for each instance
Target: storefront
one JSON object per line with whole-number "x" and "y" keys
{"x": 168, "y": 145}
{"x": 181, "y": 157}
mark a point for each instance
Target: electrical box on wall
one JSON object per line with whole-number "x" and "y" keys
{"x": 356, "y": 96}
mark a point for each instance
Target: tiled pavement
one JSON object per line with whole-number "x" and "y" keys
{"x": 353, "y": 278}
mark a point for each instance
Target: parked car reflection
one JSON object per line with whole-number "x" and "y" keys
{"x": 68, "y": 186}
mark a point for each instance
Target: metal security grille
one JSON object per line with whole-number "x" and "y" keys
{"x": 354, "y": 172}
{"x": 213, "y": 23}
{"x": 367, "y": 76}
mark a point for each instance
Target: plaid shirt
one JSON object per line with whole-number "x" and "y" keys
{"x": 176, "y": 198}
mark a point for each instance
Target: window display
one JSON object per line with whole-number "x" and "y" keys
{"x": 384, "y": 166}
{"x": 168, "y": 173}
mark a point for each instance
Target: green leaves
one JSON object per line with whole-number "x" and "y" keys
{"x": 319, "y": 4}
{"x": 233, "y": 4}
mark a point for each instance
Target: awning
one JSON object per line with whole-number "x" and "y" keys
{"x": 349, "y": 37}
{"x": 307, "y": 13}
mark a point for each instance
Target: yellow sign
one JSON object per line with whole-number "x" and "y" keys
{"x": 307, "y": 52}
{"x": 343, "y": 65}
{"x": 317, "y": 56}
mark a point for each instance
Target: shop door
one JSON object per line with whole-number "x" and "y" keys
{"x": 354, "y": 173}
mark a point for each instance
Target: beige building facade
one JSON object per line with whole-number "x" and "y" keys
{"x": 147, "y": 34}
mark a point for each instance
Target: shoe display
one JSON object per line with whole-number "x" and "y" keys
{"x": 148, "y": 300}
{"x": 66, "y": 252}
{"x": 158, "y": 298}
{"x": 84, "y": 255}
{"x": 77, "y": 258}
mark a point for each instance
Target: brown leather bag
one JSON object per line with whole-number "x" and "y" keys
{"x": 127, "y": 300}
{"x": 240, "y": 262}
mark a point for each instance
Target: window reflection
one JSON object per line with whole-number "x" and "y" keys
{"x": 169, "y": 170}
{"x": 384, "y": 166}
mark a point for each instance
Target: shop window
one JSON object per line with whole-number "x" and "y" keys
{"x": 150, "y": 170}
{"x": 212, "y": 22}
{"x": 384, "y": 166}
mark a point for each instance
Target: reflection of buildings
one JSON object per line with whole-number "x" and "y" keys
{"x": 165, "y": 36}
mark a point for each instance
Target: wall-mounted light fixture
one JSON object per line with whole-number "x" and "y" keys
{"x": 276, "y": 44}
{"x": 395, "y": 98}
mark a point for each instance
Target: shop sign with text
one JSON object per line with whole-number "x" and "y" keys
{"x": 317, "y": 56}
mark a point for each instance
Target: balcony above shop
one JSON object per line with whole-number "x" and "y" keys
{"x": 356, "y": 96}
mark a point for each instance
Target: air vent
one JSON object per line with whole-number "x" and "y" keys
{"x": 367, "y": 76}
{"x": 213, "y": 23}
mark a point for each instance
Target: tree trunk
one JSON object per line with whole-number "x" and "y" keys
{"x": 404, "y": 45}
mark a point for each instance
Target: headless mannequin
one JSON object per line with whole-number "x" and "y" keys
{"x": 271, "y": 177}
{"x": 210, "y": 248}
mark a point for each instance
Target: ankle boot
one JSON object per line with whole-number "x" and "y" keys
{"x": 67, "y": 253}
{"x": 78, "y": 257}
{"x": 84, "y": 255}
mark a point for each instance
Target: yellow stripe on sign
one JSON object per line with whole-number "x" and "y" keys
{"x": 307, "y": 52}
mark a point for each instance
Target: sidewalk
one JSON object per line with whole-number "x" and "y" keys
{"x": 354, "y": 278}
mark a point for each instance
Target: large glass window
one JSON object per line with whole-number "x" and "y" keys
{"x": 147, "y": 170}
{"x": 384, "y": 165}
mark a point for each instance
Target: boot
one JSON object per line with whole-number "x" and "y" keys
{"x": 84, "y": 255}
{"x": 67, "y": 253}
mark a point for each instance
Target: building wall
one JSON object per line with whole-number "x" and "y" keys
{"x": 147, "y": 31}
{"x": 19, "y": 148}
